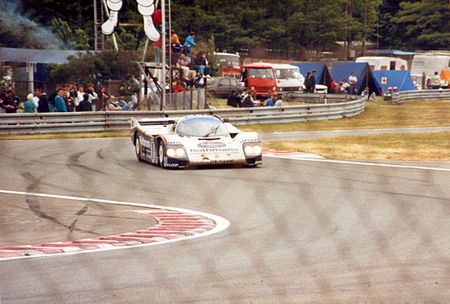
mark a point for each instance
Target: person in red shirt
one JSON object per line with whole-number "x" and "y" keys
{"x": 334, "y": 86}
{"x": 177, "y": 87}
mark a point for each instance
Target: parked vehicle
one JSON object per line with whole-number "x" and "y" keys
{"x": 380, "y": 63}
{"x": 428, "y": 64}
{"x": 228, "y": 64}
{"x": 289, "y": 78}
{"x": 260, "y": 77}
{"x": 222, "y": 86}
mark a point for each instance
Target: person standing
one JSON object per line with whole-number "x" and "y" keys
{"x": 80, "y": 93}
{"x": 10, "y": 102}
{"x": 60, "y": 104}
{"x": 70, "y": 103}
{"x": 29, "y": 106}
{"x": 353, "y": 80}
{"x": 42, "y": 101}
{"x": 312, "y": 82}
{"x": 84, "y": 105}
{"x": 103, "y": 98}
{"x": 307, "y": 82}
{"x": 93, "y": 96}
{"x": 51, "y": 98}
{"x": 73, "y": 94}
{"x": 189, "y": 43}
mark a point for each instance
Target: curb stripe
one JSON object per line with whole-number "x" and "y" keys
{"x": 173, "y": 224}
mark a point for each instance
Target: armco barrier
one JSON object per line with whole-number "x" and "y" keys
{"x": 411, "y": 96}
{"x": 39, "y": 123}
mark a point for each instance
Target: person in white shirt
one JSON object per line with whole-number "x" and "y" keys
{"x": 436, "y": 81}
{"x": 352, "y": 79}
{"x": 345, "y": 86}
{"x": 80, "y": 94}
{"x": 279, "y": 102}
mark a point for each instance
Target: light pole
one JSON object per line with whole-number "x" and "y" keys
{"x": 163, "y": 49}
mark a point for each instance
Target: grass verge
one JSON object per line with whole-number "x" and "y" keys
{"x": 402, "y": 146}
{"x": 377, "y": 115}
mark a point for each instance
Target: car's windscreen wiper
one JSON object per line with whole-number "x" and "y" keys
{"x": 212, "y": 131}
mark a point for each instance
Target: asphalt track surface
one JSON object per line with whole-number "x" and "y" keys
{"x": 300, "y": 231}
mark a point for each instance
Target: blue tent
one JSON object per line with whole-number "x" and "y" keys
{"x": 400, "y": 79}
{"x": 342, "y": 70}
{"x": 322, "y": 74}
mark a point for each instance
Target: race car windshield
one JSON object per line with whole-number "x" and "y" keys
{"x": 201, "y": 127}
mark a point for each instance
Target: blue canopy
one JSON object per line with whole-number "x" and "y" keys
{"x": 400, "y": 79}
{"x": 342, "y": 70}
{"x": 322, "y": 74}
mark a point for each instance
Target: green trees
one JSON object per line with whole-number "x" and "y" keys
{"x": 73, "y": 39}
{"x": 96, "y": 68}
{"x": 415, "y": 25}
{"x": 426, "y": 23}
{"x": 282, "y": 25}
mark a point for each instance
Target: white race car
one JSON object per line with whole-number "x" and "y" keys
{"x": 194, "y": 140}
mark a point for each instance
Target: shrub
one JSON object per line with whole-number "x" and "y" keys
{"x": 95, "y": 68}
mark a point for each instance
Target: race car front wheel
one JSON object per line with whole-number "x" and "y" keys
{"x": 162, "y": 155}
{"x": 138, "y": 148}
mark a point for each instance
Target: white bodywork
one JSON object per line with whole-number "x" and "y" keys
{"x": 384, "y": 63}
{"x": 230, "y": 146}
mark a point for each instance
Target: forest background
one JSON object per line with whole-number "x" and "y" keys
{"x": 239, "y": 26}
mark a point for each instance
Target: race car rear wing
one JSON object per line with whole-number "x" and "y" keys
{"x": 152, "y": 121}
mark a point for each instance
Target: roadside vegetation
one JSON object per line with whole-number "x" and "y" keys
{"x": 402, "y": 146}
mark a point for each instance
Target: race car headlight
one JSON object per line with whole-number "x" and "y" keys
{"x": 176, "y": 152}
{"x": 179, "y": 152}
{"x": 252, "y": 149}
{"x": 171, "y": 152}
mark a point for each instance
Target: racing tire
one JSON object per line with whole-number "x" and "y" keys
{"x": 138, "y": 148}
{"x": 162, "y": 158}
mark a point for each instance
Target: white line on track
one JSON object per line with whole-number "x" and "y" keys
{"x": 221, "y": 223}
{"x": 357, "y": 163}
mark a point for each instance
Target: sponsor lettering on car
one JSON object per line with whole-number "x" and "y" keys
{"x": 213, "y": 144}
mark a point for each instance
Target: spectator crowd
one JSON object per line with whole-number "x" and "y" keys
{"x": 68, "y": 98}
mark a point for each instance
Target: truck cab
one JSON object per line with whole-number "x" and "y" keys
{"x": 260, "y": 77}
{"x": 288, "y": 77}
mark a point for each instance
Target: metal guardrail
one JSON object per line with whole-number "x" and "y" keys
{"x": 411, "y": 96}
{"x": 316, "y": 97}
{"x": 40, "y": 123}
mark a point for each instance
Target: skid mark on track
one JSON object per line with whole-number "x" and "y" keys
{"x": 173, "y": 224}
